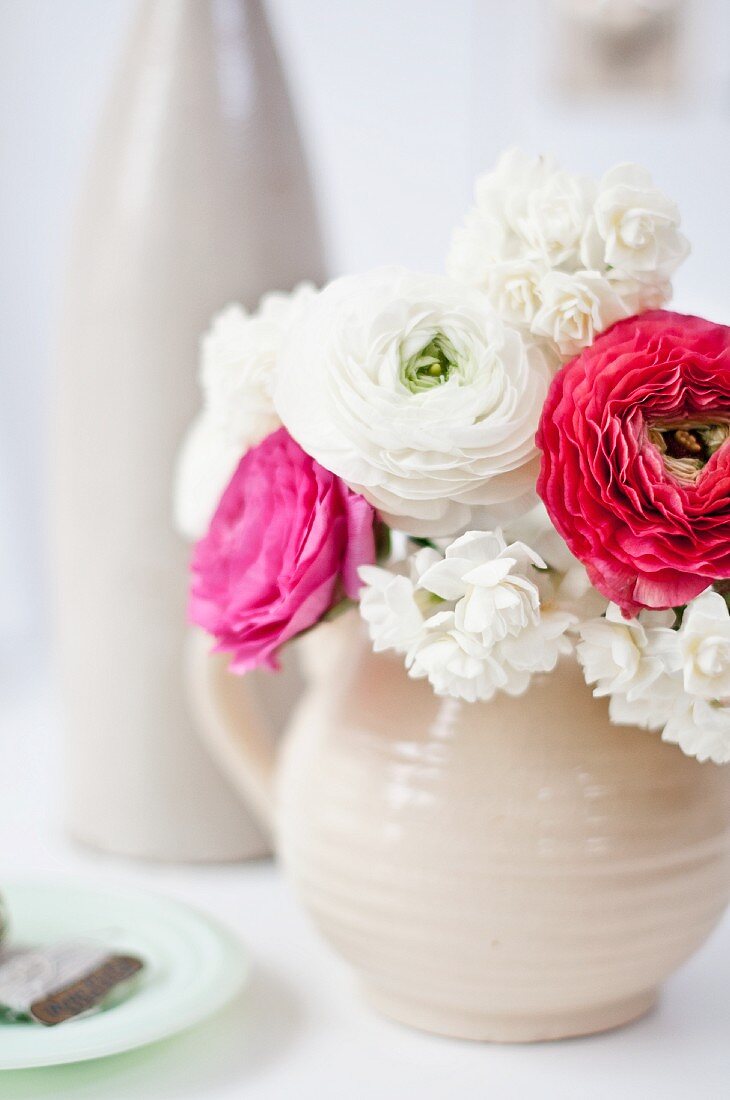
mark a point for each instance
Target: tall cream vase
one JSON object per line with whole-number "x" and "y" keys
{"x": 196, "y": 195}
{"x": 514, "y": 870}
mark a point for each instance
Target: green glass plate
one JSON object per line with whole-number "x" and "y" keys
{"x": 193, "y": 967}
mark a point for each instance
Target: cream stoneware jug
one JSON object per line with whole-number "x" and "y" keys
{"x": 515, "y": 870}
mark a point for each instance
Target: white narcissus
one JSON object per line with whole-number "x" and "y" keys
{"x": 392, "y": 605}
{"x": 676, "y": 681}
{"x": 704, "y": 640}
{"x": 649, "y": 710}
{"x": 575, "y": 308}
{"x": 566, "y": 583}
{"x": 562, "y": 256}
{"x": 388, "y": 605}
{"x": 701, "y": 728}
{"x": 540, "y": 645}
{"x": 639, "y": 294}
{"x": 637, "y": 225}
{"x": 514, "y": 286}
{"x": 490, "y": 232}
{"x": 473, "y": 620}
{"x": 458, "y": 664}
{"x": 413, "y": 391}
{"x": 628, "y": 657}
{"x": 486, "y": 580}
{"x": 553, "y": 222}
{"x": 237, "y": 371}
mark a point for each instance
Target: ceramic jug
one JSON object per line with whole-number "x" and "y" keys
{"x": 197, "y": 194}
{"x": 514, "y": 870}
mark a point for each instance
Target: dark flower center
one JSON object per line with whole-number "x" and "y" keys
{"x": 688, "y": 445}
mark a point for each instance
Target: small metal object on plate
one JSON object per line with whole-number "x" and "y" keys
{"x": 61, "y": 981}
{"x": 88, "y": 993}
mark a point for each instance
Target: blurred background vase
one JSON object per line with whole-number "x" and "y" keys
{"x": 515, "y": 870}
{"x": 197, "y": 194}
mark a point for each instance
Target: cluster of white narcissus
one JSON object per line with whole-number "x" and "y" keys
{"x": 660, "y": 678}
{"x": 482, "y": 616}
{"x": 485, "y": 616}
{"x": 562, "y": 256}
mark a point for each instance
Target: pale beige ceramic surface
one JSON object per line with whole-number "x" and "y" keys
{"x": 196, "y": 195}
{"x": 513, "y": 871}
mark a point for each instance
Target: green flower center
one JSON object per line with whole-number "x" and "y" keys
{"x": 431, "y": 366}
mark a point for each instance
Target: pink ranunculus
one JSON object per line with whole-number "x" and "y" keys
{"x": 283, "y": 547}
{"x": 635, "y": 468}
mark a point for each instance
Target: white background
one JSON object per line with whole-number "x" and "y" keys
{"x": 401, "y": 102}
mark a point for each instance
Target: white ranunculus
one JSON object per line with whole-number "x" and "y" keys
{"x": 700, "y": 728}
{"x": 638, "y": 225}
{"x": 704, "y": 640}
{"x": 575, "y": 308}
{"x": 412, "y": 390}
{"x": 238, "y": 366}
{"x": 487, "y": 581}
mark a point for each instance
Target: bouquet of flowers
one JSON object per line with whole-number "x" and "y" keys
{"x": 520, "y": 459}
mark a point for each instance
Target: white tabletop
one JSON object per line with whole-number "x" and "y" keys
{"x": 300, "y": 1030}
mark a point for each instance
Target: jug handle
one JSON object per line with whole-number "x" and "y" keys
{"x": 231, "y": 722}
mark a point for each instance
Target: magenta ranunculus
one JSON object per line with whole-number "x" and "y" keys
{"x": 636, "y": 464}
{"x": 283, "y": 547}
